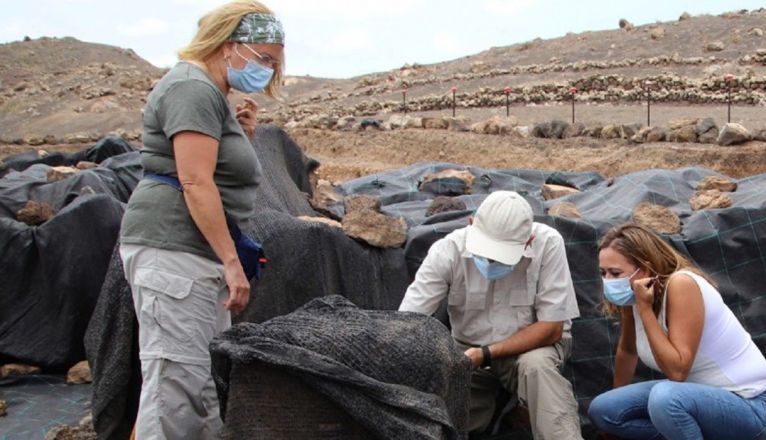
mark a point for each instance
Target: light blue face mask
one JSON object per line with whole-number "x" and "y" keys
{"x": 252, "y": 78}
{"x": 491, "y": 271}
{"x": 618, "y": 290}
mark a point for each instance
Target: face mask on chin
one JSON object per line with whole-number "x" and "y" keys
{"x": 491, "y": 271}
{"x": 618, "y": 291}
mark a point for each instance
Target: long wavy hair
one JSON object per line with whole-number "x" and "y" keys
{"x": 215, "y": 29}
{"x": 646, "y": 250}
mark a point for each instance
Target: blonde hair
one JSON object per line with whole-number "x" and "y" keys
{"x": 215, "y": 29}
{"x": 646, "y": 250}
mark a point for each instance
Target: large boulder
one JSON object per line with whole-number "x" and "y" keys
{"x": 550, "y": 130}
{"x": 715, "y": 46}
{"x": 551, "y": 191}
{"x": 657, "y": 134}
{"x": 360, "y": 202}
{"x": 445, "y": 204}
{"x": 435, "y": 123}
{"x": 565, "y": 209}
{"x": 9, "y": 370}
{"x": 35, "y": 213}
{"x": 710, "y": 199}
{"x": 658, "y": 218}
{"x": 375, "y": 228}
{"x": 683, "y": 134}
{"x": 79, "y": 374}
{"x": 496, "y": 125}
{"x": 458, "y": 123}
{"x": 722, "y": 184}
{"x": 448, "y": 182}
{"x": 733, "y": 134}
{"x": 55, "y": 174}
{"x": 573, "y": 130}
{"x": 610, "y": 131}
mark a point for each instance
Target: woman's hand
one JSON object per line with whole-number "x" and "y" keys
{"x": 246, "y": 116}
{"x": 643, "y": 288}
{"x": 239, "y": 287}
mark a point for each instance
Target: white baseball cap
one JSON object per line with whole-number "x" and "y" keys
{"x": 501, "y": 228}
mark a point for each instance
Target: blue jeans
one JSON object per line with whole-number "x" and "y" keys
{"x": 678, "y": 411}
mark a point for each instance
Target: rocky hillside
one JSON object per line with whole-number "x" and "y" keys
{"x": 67, "y": 91}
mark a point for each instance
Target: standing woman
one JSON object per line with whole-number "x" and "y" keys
{"x": 178, "y": 255}
{"x": 674, "y": 319}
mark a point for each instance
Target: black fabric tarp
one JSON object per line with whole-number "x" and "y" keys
{"x": 400, "y": 375}
{"x": 102, "y": 150}
{"x": 52, "y": 273}
{"x": 309, "y": 260}
{"x": 726, "y": 243}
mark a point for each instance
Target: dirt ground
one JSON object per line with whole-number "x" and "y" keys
{"x": 347, "y": 155}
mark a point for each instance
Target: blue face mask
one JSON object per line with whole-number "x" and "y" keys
{"x": 252, "y": 78}
{"x": 618, "y": 291}
{"x": 491, "y": 271}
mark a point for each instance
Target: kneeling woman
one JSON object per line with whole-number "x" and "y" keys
{"x": 674, "y": 319}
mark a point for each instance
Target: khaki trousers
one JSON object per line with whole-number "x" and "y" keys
{"x": 178, "y": 298}
{"x": 535, "y": 379}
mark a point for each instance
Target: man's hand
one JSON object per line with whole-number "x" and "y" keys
{"x": 475, "y": 355}
{"x": 246, "y": 116}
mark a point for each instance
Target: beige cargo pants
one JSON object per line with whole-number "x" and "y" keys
{"x": 178, "y": 298}
{"x": 535, "y": 379}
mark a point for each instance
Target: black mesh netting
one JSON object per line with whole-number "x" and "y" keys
{"x": 399, "y": 375}
{"x": 309, "y": 260}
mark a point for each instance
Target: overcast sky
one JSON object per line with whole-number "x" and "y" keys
{"x": 345, "y": 38}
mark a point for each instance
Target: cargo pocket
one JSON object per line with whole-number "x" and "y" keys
{"x": 164, "y": 320}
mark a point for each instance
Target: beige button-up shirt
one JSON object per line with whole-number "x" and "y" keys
{"x": 482, "y": 311}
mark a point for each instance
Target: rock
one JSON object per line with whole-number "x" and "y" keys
{"x": 709, "y": 137}
{"x": 594, "y": 132}
{"x": 715, "y": 46}
{"x": 755, "y": 32}
{"x": 640, "y": 137}
{"x": 611, "y": 132}
{"x": 496, "y": 125}
{"x": 86, "y": 165}
{"x": 324, "y": 220}
{"x": 458, "y": 124}
{"x": 448, "y": 182}
{"x": 733, "y": 134}
{"x": 3, "y": 408}
{"x": 35, "y": 213}
{"x": 716, "y": 182}
{"x": 564, "y": 209}
{"x": 34, "y": 141}
{"x": 625, "y": 25}
{"x": 759, "y": 135}
{"x": 326, "y": 195}
{"x": 60, "y": 173}
{"x": 414, "y": 122}
{"x": 675, "y": 124}
{"x": 705, "y": 125}
{"x": 375, "y": 228}
{"x": 366, "y": 124}
{"x": 656, "y": 134}
{"x": 18, "y": 370}
{"x": 627, "y": 131}
{"x": 685, "y": 16}
{"x": 710, "y": 199}
{"x": 550, "y": 130}
{"x": 346, "y": 123}
{"x": 658, "y": 218}
{"x": 87, "y": 189}
{"x": 551, "y": 191}
{"x": 435, "y": 123}
{"x": 657, "y": 33}
{"x": 360, "y": 202}
{"x": 445, "y": 204}
{"x": 573, "y": 130}
{"x": 683, "y": 134}
{"x": 396, "y": 121}
{"x": 79, "y": 374}
{"x": 522, "y": 131}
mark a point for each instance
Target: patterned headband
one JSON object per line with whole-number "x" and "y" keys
{"x": 259, "y": 28}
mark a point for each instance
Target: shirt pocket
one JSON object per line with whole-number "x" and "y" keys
{"x": 164, "y": 309}
{"x": 522, "y": 301}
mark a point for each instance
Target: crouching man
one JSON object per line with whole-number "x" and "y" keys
{"x": 510, "y": 301}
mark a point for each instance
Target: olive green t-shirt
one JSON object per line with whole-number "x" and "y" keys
{"x": 185, "y": 99}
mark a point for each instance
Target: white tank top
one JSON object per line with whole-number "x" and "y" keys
{"x": 727, "y": 356}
